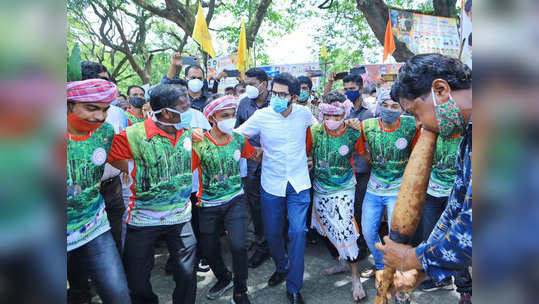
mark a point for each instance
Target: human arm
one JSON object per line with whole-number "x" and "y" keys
{"x": 329, "y": 85}
{"x": 251, "y": 127}
{"x": 120, "y": 152}
{"x": 250, "y": 152}
{"x": 220, "y": 76}
{"x": 175, "y": 66}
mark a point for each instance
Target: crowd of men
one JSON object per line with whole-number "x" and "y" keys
{"x": 183, "y": 164}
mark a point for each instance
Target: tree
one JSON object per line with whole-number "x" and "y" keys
{"x": 376, "y": 13}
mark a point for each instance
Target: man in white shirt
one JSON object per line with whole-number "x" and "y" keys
{"x": 285, "y": 179}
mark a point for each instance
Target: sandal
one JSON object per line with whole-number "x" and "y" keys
{"x": 368, "y": 273}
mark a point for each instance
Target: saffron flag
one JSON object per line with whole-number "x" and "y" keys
{"x": 389, "y": 42}
{"x": 201, "y": 33}
{"x": 242, "y": 50}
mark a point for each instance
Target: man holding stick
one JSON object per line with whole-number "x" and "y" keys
{"x": 436, "y": 89}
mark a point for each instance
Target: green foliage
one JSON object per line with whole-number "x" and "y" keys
{"x": 73, "y": 64}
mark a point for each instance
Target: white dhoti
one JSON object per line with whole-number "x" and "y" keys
{"x": 333, "y": 217}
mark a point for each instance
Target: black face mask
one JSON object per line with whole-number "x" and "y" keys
{"x": 137, "y": 102}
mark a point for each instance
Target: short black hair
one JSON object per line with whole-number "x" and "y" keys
{"x": 417, "y": 74}
{"x": 306, "y": 80}
{"x": 355, "y": 78}
{"x": 258, "y": 73}
{"x": 288, "y": 80}
{"x": 179, "y": 81}
{"x": 134, "y": 86}
{"x": 91, "y": 70}
{"x": 229, "y": 88}
{"x": 189, "y": 67}
{"x": 166, "y": 96}
{"x": 468, "y": 6}
{"x": 334, "y": 96}
{"x": 122, "y": 95}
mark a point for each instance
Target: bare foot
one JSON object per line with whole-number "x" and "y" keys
{"x": 357, "y": 290}
{"x": 340, "y": 267}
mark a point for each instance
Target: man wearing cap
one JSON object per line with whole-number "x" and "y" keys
{"x": 161, "y": 183}
{"x": 90, "y": 245}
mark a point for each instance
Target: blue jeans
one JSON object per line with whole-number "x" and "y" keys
{"x": 273, "y": 215}
{"x": 99, "y": 259}
{"x": 373, "y": 209}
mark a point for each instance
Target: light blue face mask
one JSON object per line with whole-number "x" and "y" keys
{"x": 185, "y": 118}
{"x": 304, "y": 96}
{"x": 279, "y": 104}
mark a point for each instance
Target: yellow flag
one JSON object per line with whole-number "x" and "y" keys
{"x": 323, "y": 52}
{"x": 201, "y": 33}
{"x": 250, "y": 61}
{"x": 242, "y": 50}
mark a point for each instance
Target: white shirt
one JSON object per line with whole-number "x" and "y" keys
{"x": 283, "y": 142}
{"x": 198, "y": 120}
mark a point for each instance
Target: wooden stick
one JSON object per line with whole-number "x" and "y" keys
{"x": 410, "y": 202}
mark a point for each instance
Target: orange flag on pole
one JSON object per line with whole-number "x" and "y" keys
{"x": 389, "y": 43}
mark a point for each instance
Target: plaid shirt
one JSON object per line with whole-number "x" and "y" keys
{"x": 449, "y": 247}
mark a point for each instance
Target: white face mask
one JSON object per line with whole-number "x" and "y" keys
{"x": 252, "y": 92}
{"x": 242, "y": 96}
{"x": 195, "y": 85}
{"x": 227, "y": 125}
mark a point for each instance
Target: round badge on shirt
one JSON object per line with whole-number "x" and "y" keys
{"x": 343, "y": 150}
{"x": 99, "y": 156}
{"x": 401, "y": 143}
{"x": 237, "y": 155}
{"x": 187, "y": 145}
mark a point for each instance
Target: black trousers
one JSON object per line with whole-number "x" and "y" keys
{"x": 233, "y": 215}
{"x": 362, "y": 179}
{"x": 252, "y": 194}
{"x": 111, "y": 189}
{"x": 139, "y": 259}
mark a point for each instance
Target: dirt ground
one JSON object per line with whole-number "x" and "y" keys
{"x": 317, "y": 288}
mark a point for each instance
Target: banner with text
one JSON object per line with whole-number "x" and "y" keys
{"x": 425, "y": 33}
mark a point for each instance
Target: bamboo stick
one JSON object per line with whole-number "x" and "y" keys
{"x": 410, "y": 202}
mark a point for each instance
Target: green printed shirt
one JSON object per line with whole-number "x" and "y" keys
{"x": 162, "y": 174}
{"x": 220, "y": 179}
{"x": 444, "y": 166}
{"x": 86, "y": 157}
{"x": 332, "y": 158}
{"x": 132, "y": 118}
{"x": 390, "y": 151}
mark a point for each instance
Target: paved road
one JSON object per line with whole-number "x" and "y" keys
{"x": 317, "y": 288}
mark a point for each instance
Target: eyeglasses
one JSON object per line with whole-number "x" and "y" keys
{"x": 280, "y": 94}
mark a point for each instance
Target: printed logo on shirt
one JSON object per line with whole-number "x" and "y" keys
{"x": 343, "y": 150}
{"x": 401, "y": 143}
{"x": 237, "y": 155}
{"x": 187, "y": 145}
{"x": 99, "y": 156}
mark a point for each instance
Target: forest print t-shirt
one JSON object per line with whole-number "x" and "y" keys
{"x": 220, "y": 178}
{"x": 86, "y": 157}
{"x": 390, "y": 151}
{"x": 332, "y": 157}
{"x": 444, "y": 166}
{"x": 162, "y": 173}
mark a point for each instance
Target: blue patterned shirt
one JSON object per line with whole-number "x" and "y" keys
{"x": 449, "y": 247}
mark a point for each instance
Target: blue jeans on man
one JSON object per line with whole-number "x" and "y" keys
{"x": 372, "y": 211}
{"x": 100, "y": 261}
{"x": 273, "y": 215}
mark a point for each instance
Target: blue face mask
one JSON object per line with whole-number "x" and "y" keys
{"x": 352, "y": 95}
{"x": 303, "y": 96}
{"x": 185, "y": 119}
{"x": 279, "y": 104}
{"x": 389, "y": 116}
